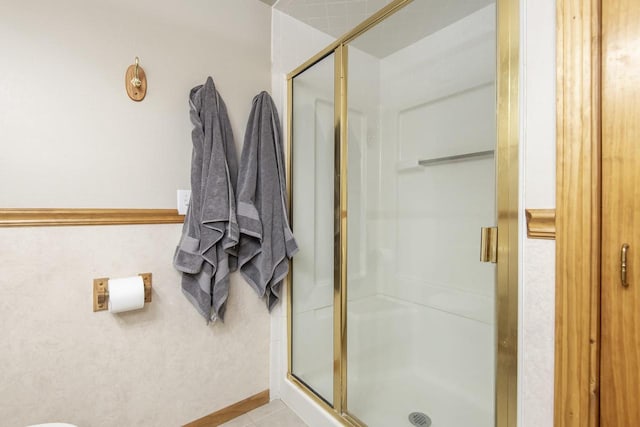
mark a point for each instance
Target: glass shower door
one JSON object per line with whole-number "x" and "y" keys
{"x": 421, "y": 183}
{"x": 312, "y": 211}
{"x": 400, "y": 155}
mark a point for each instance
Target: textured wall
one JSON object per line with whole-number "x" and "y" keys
{"x": 159, "y": 366}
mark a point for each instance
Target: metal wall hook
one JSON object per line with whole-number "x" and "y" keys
{"x": 136, "y": 79}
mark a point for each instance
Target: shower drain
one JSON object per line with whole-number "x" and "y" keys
{"x": 419, "y": 419}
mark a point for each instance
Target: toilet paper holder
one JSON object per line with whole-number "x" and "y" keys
{"x": 101, "y": 291}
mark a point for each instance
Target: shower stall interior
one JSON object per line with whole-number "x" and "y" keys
{"x": 402, "y": 146}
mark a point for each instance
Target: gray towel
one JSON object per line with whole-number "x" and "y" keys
{"x": 206, "y": 252}
{"x": 266, "y": 240}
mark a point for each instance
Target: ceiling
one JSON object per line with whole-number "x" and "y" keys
{"x": 333, "y": 17}
{"x": 412, "y": 23}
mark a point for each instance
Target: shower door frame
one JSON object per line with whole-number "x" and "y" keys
{"x": 507, "y": 180}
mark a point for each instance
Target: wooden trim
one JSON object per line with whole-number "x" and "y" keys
{"x": 578, "y": 191}
{"x": 232, "y": 411}
{"x": 541, "y": 223}
{"x": 67, "y": 217}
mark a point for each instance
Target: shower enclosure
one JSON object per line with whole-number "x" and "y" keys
{"x": 402, "y": 148}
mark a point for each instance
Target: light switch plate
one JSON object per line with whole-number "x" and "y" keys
{"x": 184, "y": 196}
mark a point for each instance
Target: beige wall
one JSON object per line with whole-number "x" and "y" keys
{"x": 62, "y": 83}
{"x": 160, "y": 366}
{"x": 71, "y": 137}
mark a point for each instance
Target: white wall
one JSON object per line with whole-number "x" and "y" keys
{"x": 64, "y": 105}
{"x": 436, "y": 211}
{"x": 364, "y": 167}
{"x": 537, "y": 186}
{"x": 62, "y": 83}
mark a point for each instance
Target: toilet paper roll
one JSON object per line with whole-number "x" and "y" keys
{"x": 126, "y": 294}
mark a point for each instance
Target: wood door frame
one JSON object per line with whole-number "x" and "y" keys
{"x": 578, "y": 214}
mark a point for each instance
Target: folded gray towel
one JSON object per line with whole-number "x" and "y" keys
{"x": 266, "y": 240}
{"x": 206, "y": 253}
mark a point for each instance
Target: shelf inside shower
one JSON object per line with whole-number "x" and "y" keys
{"x": 415, "y": 164}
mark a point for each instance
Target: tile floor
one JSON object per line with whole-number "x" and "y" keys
{"x": 273, "y": 414}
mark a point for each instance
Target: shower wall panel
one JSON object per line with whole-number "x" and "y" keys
{"x": 363, "y": 162}
{"x": 438, "y": 210}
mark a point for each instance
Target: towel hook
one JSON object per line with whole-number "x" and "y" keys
{"x": 136, "y": 80}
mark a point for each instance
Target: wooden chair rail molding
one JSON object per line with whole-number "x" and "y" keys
{"x": 541, "y": 223}
{"x": 66, "y": 217}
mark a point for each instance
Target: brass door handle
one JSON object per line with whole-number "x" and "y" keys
{"x": 623, "y": 265}
{"x": 489, "y": 244}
